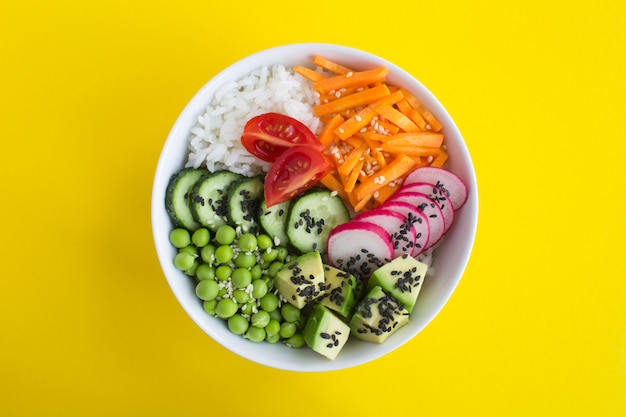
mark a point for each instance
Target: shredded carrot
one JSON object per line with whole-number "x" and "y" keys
{"x": 428, "y": 139}
{"x": 308, "y": 73}
{"x": 329, "y": 65}
{"x": 394, "y": 170}
{"x": 352, "y": 160}
{"x": 375, "y": 133}
{"x": 352, "y": 79}
{"x": 357, "y": 99}
{"x": 435, "y": 125}
{"x": 440, "y": 159}
{"x": 365, "y": 116}
{"x": 327, "y": 135}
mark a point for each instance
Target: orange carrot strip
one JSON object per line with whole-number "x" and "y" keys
{"x": 410, "y": 150}
{"x": 365, "y": 116}
{"x": 440, "y": 159}
{"x": 354, "y": 175}
{"x": 386, "y": 126}
{"x": 384, "y": 193}
{"x": 435, "y": 125}
{"x": 327, "y": 135}
{"x": 352, "y": 160}
{"x": 397, "y": 118}
{"x": 308, "y": 73}
{"x": 352, "y": 79}
{"x": 360, "y": 205}
{"x": 331, "y": 182}
{"x": 360, "y": 98}
{"x": 329, "y": 65}
{"x": 427, "y": 139}
{"x": 394, "y": 170}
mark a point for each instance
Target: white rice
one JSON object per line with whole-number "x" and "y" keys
{"x": 214, "y": 141}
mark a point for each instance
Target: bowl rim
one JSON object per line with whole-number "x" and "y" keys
{"x": 311, "y": 361}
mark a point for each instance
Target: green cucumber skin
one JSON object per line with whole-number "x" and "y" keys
{"x": 273, "y": 222}
{"x": 312, "y": 200}
{"x": 243, "y": 210}
{"x": 179, "y": 211}
{"x": 212, "y": 216}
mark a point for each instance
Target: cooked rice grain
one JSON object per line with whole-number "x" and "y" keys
{"x": 214, "y": 141}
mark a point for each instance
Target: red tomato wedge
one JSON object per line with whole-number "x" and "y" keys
{"x": 268, "y": 135}
{"x": 296, "y": 170}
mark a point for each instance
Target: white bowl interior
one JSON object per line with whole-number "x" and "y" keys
{"x": 450, "y": 259}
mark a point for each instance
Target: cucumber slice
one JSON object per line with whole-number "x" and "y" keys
{"x": 177, "y": 197}
{"x": 311, "y": 218}
{"x": 244, "y": 197}
{"x": 274, "y": 220}
{"x": 209, "y": 197}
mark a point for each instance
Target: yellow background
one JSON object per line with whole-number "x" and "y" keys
{"x": 88, "y": 93}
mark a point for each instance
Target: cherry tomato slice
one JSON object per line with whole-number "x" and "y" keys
{"x": 268, "y": 135}
{"x": 296, "y": 170}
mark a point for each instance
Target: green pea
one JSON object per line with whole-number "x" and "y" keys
{"x": 290, "y": 312}
{"x": 238, "y": 324}
{"x": 225, "y": 308}
{"x": 264, "y": 241}
{"x": 225, "y": 235}
{"x": 201, "y": 237}
{"x": 256, "y": 271}
{"x": 245, "y": 260}
{"x": 274, "y": 268}
{"x": 207, "y": 254}
{"x": 255, "y": 334}
{"x": 275, "y": 315}
{"x": 259, "y": 288}
{"x": 223, "y": 272}
{"x": 271, "y": 338}
{"x": 241, "y": 278}
{"x": 180, "y": 238}
{"x": 296, "y": 341}
{"x": 222, "y": 292}
{"x": 273, "y": 327}
{"x": 207, "y": 289}
{"x": 286, "y": 329}
{"x": 223, "y": 254}
{"x": 269, "y": 302}
{"x": 209, "y": 306}
{"x": 241, "y": 296}
{"x": 183, "y": 261}
{"x": 190, "y": 249}
{"x": 283, "y": 254}
{"x": 247, "y": 242}
{"x": 260, "y": 319}
{"x": 269, "y": 255}
{"x": 204, "y": 271}
{"x": 248, "y": 308}
{"x": 191, "y": 271}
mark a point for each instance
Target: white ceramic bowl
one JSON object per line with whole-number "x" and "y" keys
{"x": 450, "y": 258}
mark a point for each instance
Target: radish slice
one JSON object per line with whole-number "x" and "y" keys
{"x": 416, "y": 218}
{"x": 451, "y": 184}
{"x": 373, "y": 241}
{"x": 430, "y": 209}
{"x": 438, "y": 196}
{"x": 401, "y": 231}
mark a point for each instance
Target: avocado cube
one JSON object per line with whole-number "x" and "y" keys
{"x": 342, "y": 291}
{"x": 324, "y": 332}
{"x": 301, "y": 280}
{"x": 378, "y": 315}
{"x": 402, "y": 278}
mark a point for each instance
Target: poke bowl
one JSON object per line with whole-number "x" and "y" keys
{"x": 288, "y": 76}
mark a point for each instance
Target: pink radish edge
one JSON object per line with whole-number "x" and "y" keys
{"x": 448, "y": 181}
{"x": 402, "y": 233}
{"x": 374, "y": 243}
